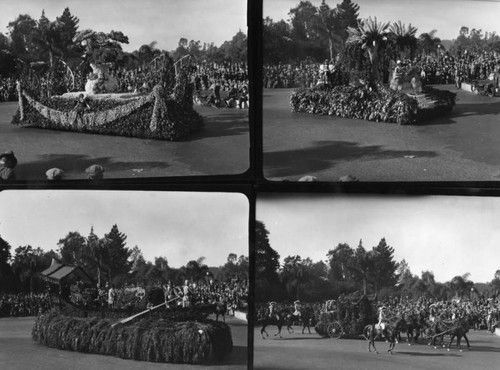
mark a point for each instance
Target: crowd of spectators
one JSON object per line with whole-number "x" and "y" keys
{"x": 304, "y": 74}
{"x": 447, "y": 69}
{"x": 233, "y": 293}
{"x": 18, "y": 305}
{"x": 7, "y": 89}
{"x": 442, "y": 69}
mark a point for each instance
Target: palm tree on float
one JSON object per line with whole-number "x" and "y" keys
{"x": 371, "y": 35}
{"x": 404, "y": 39}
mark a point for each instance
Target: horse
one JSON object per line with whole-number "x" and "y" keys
{"x": 220, "y": 310}
{"x": 457, "y": 328}
{"x": 414, "y": 324}
{"x": 390, "y": 332}
{"x": 276, "y": 319}
{"x": 305, "y": 318}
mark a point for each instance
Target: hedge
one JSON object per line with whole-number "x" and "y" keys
{"x": 378, "y": 103}
{"x": 178, "y": 314}
{"x": 154, "y": 116}
{"x": 147, "y": 340}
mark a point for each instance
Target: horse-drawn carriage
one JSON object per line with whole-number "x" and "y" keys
{"x": 328, "y": 323}
{"x": 489, "y": 86}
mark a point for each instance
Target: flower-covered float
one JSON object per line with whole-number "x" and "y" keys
{"x": 354, "y": 87}
{"x": 163, "y": 109}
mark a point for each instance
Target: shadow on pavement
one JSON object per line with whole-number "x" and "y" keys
{"x": 324, "y": 154}
{"x": 221, "y": 122}
{"x": 239, "y": 356}
{"x": 295, "y": 338}
{"x": 464, "y": 110}
{"x": 424, "y": 354}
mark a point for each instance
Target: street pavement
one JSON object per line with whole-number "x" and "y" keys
{"x": 220, "y": 148}
{"x": 462, "y": 146}
{"x": 310, "y": 351}
{"x": 19, "y": 352}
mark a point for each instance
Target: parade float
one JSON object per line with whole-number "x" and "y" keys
{"x": 162, "y": 108}
{"x": 140, "y": 326}
{"x": 354, "y": 87}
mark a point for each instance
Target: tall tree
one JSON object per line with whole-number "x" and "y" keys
{"x": 278, "y": 45}
{"x": 266, "y": 258}
{"x": 28, "y": 263}
{"x": 294, "y": 276}
{"x": 115, "y": 244}
{"x": 236, "y": 49}
{"x": 47, "y": 40}
{"x": 67, "y": 26}
{"x": 71, "y": 248}
{"x": 428, "y": 42}
{"x": 363, "y": 266}
{"x": 22, "y": 33}
{"x": 348, "y": 17}
{"x": 341, "y": 259}
{"x": 384, "y": 264}
{"x": 328, "y": 24}
{"x": 5, "y": 268}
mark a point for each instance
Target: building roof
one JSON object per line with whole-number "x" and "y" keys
{"x": 58, "y": 271}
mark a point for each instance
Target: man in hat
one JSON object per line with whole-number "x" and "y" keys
{"x": 8, "y": 162}
{"x": 297, "y": 307}
{"x": 272, "y": 314}
{"x": 381, "y": 323}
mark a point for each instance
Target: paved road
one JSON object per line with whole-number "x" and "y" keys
{"x": 464, "y": 146}
{"x": 310, "y": 351}
{"x": 19, "y": 352}
{"x": 221, "y": 148}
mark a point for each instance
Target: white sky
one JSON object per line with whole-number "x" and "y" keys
{"x": 143, "y": 21}
{"x": 180, "y": 226}
{"x": 447, "y": 16}
{"x": 447, "y": 235}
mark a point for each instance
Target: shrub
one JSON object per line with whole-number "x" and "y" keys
{"x": 147, "y": 340}
{"x": 178, "y": 314}
{"x": 378, "y": 103}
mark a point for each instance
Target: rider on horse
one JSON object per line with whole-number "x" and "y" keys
{"x": 381, "y": 322}
{"x": 272, "y": 314}
{"x": 297, "y": 307}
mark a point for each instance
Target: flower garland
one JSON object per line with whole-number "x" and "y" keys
{"x": 65, "y": 119}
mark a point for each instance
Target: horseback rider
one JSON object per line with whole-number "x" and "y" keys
{"x": 272, "y": 314}
{"x": 381, "y": 321}
{"x": 297, "y": 307}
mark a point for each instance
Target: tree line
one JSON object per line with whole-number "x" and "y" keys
{"x": 105, "y": 259}
{"x": 350, "y": 270}
{"x": 320, "y": 32}
{"x": 30, "y": 41}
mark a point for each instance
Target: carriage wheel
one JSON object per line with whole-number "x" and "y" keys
{"x": 334, "y": 330}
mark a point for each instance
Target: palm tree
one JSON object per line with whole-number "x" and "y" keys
{"x": 428, "y": 42}
{"x": 371, "y": 35}
{"x": 404, "y": 38}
